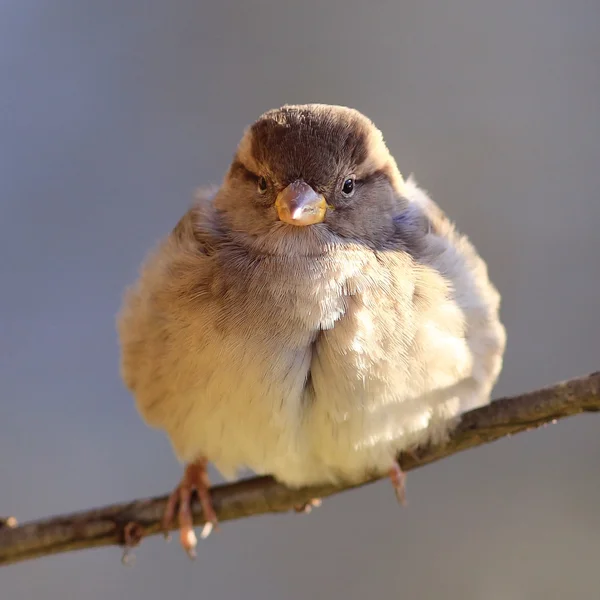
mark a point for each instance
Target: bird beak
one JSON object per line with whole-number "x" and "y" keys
{"x": 298, "y": 204}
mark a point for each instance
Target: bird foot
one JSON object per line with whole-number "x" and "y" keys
{"x": 195, "y": 478}
{"x": 308, "y": 506}
{"x": 398, "y": 479}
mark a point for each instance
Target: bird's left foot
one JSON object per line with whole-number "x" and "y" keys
{"x": 308, "y": 506}
{"x": 398, "y": 479}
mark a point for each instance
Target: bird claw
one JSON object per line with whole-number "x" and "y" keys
{"x": 189, "y": 542}
{"x": 206, "y": 530}
{"x": 132, "y": 536}
{"x": 195, "y": 479}
{"x": 307, "y": 507}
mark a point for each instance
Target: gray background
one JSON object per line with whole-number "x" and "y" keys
{"x": 112, "y": 112}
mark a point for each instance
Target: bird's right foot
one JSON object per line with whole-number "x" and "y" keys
{"x": 195, "y": 478}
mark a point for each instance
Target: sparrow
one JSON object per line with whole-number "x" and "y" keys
{"x": 311, "y": 318}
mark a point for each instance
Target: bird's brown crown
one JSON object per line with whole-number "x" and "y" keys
{"x": 315, "y": 143}
{"x": 305, "y": 176}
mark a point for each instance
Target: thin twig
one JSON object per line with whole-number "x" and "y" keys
{"x": 260, "y": 495}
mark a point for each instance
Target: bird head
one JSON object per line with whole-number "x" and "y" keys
{"x": 309, "y": 176}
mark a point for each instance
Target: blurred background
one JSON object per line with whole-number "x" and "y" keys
{"x": 113, "y": 112}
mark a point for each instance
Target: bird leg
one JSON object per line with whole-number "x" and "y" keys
{"x": 195, "y": 478}
{"x": 308, "y": 506}
{"x": 398, "y": 479}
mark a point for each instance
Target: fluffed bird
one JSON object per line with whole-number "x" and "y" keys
{"x": 311, "y": 318}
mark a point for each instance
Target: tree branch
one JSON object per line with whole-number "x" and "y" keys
{"x": 260, "y": 495}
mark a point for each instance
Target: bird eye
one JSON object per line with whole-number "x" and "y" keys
{"x": 262, "y": 185}
{"x": 348, "y": 187}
